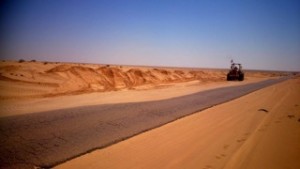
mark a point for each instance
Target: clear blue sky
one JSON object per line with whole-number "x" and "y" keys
{"x": 261, "y": 34}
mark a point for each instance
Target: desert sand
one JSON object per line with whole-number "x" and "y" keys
{"x": 49, "y": 138}
{"x": 215, "y": 138}
{"x": 31, "y": 86}
{"x": 257, "y": 131}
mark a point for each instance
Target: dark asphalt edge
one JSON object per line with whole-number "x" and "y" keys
{"x": 152, "y": 128}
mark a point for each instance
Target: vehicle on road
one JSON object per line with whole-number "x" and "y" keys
{"x": 235, "y": 72}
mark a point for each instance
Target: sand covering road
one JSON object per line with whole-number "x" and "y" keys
{"x": 258, "y": 131}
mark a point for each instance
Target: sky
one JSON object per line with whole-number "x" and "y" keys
{"x": 260, "y": 34}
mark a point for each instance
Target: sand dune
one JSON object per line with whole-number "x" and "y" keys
{"x": 264, "y": 133}
{"x": 44, "y": 79}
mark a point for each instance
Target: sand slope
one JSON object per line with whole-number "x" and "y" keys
{"x": 44, "y": 79}
{"x": 28, "y": 87}
{"x": 49, "y": 79}
{"x": 258, "y": 131}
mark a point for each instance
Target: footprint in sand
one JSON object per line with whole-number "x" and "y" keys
{"x": 220, "y": 156}
{"x": 207, "y": 167}
{"x": 264, "y": 127}
{"x": 225, "y": 146}
{"x": 264, "y": 110}
{"x": 246, "y": 134}
{"x": 241, "y": 140}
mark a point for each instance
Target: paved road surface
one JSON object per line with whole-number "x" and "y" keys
{"x": 48, "y": 138}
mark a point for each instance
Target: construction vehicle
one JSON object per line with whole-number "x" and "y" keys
{"x": 236, "y": 72}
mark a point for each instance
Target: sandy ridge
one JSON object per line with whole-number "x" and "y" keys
{"x": 61, "y": 79}
{"x": 45, "y": 79}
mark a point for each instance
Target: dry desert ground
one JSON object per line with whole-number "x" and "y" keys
{"x": 260, "y": 130}
{"x": 31, "y": 86}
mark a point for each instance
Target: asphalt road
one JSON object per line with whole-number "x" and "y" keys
{"x": 48, "y": 138}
